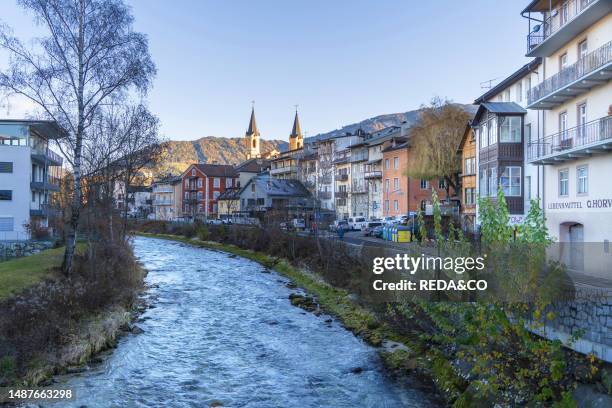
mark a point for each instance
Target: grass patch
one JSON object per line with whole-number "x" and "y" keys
{"x": 18, "y": 274}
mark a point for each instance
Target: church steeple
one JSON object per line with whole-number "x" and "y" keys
{"x": 296, "y": 140}
{"x": 252, "y": 137}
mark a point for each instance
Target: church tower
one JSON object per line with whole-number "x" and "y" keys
{"x": 296, "y": 140}
{"x": 252, "y": 138}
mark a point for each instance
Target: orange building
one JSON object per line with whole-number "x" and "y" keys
{"x": 401, "y": 194}
{"x": 467, "y": 152}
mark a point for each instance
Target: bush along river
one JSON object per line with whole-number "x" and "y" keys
{"x": 220, "y": 331}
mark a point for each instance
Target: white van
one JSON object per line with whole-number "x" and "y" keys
{"x": 356, "y": 223}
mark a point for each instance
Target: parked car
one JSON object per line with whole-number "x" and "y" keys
{"x": 214, "y": 221}
{"x": 298, "y": 223}
{"x": 340, "y": 223}
{"x": 368, "y": 228}
{"x": 356, "y": 223}
{"x": 378, "y": 231}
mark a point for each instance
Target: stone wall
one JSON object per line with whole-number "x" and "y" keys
{"x": 18, "y": 249}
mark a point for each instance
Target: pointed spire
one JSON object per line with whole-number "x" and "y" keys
{"x": 297, "y": 130}
{"x": 252, "y": 131}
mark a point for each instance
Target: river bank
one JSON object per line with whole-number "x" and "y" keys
{"x": 58, "y": 324}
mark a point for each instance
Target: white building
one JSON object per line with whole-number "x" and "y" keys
{"x": 29, "y": 175}
{"x": 167, "y": 198}
{"x": 574, "y": 98}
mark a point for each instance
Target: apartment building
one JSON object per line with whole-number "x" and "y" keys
{"x": 167, "y": 198}
{"x": 325, "y": 174}
{"x": 29, "y": 175}
{"x": 503, "y": 129}
{"x": 342, "y": 182}
{"x": 359, "y": 185}
{"x": 395, "y": 181}
{"x": 202, "y": 184}
{"x": 573, "y": 98}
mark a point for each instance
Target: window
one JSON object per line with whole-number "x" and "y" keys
{"x": 511, "y": 181}
{"x": 387, "y": 185}
{"x": 253, "y": 187}
{"x": 483, "y": 187}
{"x": 216, "y": 182}
{"x": 507, "y": 95}
{"x": 510, "y": 129}
{"x": 563, "y": 127}
{"x": 216, "y": 195}
{"x": 582, "y": 173}
{"x": 386, "y": 205}
{"x": 441, "y": 184}
{"x": 563, "y": 62}
{"x": 395, "y": 162}
{"x": 6, "y": 195}
{"x": 261, "y": 201}
{"x": 6, "y": 167}
{"x": 395, "y": 184}
{"x": 528, "y": 132}
{"x": 7, "y": 223}
{"x": 375, "y": 187}
{"x": 519, "y": 91}
{"x": 564, "y": 182}
{"x": 493, "y": 181}
{"x": 582, "y": 119}
{"x": 186, "y": 183}
{"x": 583, "y": 49}
{"x": 199, "y": 195}
{"x": 423, "y": 205}
{"x": 229, "y": 182}
{"x": 424, "y": 184}
{"x": 193, "y": 172}
{"x": 484, "y": 135}
{"x": 33, "y": 197}
{"x": 395, "y": 205}
{"x": 386, "y": 163}
{"x": 186, "y": 195}
{"x": 469, "y": 198}
{"x": 199, "y": 182}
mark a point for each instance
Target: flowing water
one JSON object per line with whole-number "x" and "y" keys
{"x": 221, "y": 332}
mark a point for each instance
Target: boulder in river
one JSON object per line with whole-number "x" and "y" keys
{"x": 305, "y": 302}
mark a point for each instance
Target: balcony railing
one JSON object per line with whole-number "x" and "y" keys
{"x": 45, "y": 210}
{"x": 325, "y": 195}
{"x": 372, "y": 174}
{"x": 163, "y": 202}
{"x": 581, "y": 68}
{"x": 163, "y": 189}
{"x": 556, "y": 20}
{"x": 359, "y": 157}
{"x": 53, "y": 158}
{"x": 341, "y": 177}
{"x": 326, "y": 179}
{"x": 49, "y": 183}
{"x": 341, "y": 194}
{"x": 572, "y": 142}
{"x": 359, "y": 188}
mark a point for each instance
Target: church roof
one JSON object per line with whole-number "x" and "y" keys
{"x": 297, "y": 130}
{"x": 252, "y": 125}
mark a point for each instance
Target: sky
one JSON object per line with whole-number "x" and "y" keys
{"x": 340, "y": 61}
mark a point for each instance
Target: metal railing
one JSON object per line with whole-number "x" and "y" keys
{"x": 163, "y": 202}
{"x": 359, "y": 157}
{"x": 341, "y": 177}
{"x": 49, "y": 153}
{"x": 373, "y": 174}
{"x": 555, "y": 20}
{"x": 324, "y": 195}
{"x": 584, "y": 66}
{"x": 341, "y": 194}
{"x": 592, "y": 132}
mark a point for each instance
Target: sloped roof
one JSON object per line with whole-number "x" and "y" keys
{"x": 252, "y": 130}
{"x": 230, "y": 194}
{"x": 278, "y": 187}
{"x": 499, "y": 108}
{"x": 216, "y": 170}
{"x": 255, "y": 165}
{"x": 518, "y": 74}
{"x": 297, "y": 130}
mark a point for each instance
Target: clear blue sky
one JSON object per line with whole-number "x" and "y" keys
{"x": 341, "y": 60}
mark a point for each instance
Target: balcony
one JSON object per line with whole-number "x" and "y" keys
{"x": 165, "y": 189}
{"x": 341, "y": 177}
{"x": 563, "y": 24}
{"x": 574, "y": 143}
{"x": 359, "y": 189}
{"x": 50, "y": 184}
{"x": 592, "y": 70}
{"x": 47, "y": 156}
{"x": 341, "y": 194}
{"x": 284, "y": 170}
{"x": 163, "y": 202}
{"x": 44, "y": 210}
{"x": 359, "y": 157}
{"x": 373, "y": 174}
{"x": 325, "y": 179}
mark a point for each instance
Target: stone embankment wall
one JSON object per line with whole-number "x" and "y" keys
{"x": 18, "y": 249}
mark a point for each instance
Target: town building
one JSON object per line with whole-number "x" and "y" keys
{"x": 29, "y": 176}
{"x": 359, "y": 193}
{"x": 202, "y": 184}
{"x": 286, "y": 165}
{"x": 250, "y": 168}
{"x": 573, "y": 97}
{"x": 167, "y": 198}
{"x": 503, "y": 130}
{"x": 467, "y": 153}
{"x": 229, "y": 202}
{"x": 325, "y": 174}
{"x": 264, "y": 193}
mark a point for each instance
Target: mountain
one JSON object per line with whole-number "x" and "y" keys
{"x": 210, "y": 149}
{"x": 382, "y": 121}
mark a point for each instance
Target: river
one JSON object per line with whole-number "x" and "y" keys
{"x": 221, "y": 332}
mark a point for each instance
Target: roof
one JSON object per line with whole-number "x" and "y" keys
{"x": 278, "y": 187}
{"x": 538, "y": 5}
{"x": 396, "y": 147}
{"x": 168, "y": 180}
{"x": 230, "y": 194}
{"x": 468, "y": 128}
{"x": 510, "y": 108}
{"x": 252, "y": 130}
{"x": 214, "y": 170}
{"x": 520, "y": 73}
{"x": 296, "y": 131}
{"x": 49, "y": 129}
{"x": 255, "y": 165}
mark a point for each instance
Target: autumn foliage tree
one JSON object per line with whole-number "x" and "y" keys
{"x": 434, "y": 140}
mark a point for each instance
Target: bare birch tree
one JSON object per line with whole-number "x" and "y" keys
{"x": 89, "y": 56}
